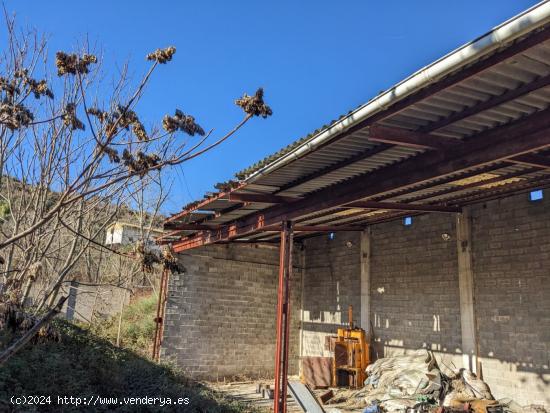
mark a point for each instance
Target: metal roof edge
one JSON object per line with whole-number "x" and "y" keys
{"x": 508, "y": 31}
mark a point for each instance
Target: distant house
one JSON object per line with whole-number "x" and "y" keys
{"x": 123, "y": 233}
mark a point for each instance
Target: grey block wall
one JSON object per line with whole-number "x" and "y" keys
{"x": 331, "y": 285}
{"x": 415, "y": 294}
{"x": 221, "y": 312}
{"x": 414, "y": 285}
{"x": 511, "y": 245}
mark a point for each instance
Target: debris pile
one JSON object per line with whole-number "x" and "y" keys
{"x": 465, "y": 387}
{"x": 402, "y": 381}
{"x": 414, "y": 383}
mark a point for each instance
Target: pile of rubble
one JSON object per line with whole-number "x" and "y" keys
{"x": 414, "y": 383}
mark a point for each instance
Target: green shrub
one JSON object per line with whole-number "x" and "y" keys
{"x": 4, "y": 210}
{"x": 137, "y": 329}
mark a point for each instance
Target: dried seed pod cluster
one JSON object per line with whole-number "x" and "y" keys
{"x": 112, "y": 154}
{"x": 72, "y": 63}
{"x": 147, "y": 257}
{"x": 140, "y": 163}
{"x": 98, "y": 113}
{"x": 9, "y": 87}
{"x": 127, "y": 116}
{"x": 139, "y": 131}
{"x": 162, "y": 55}
{"x": 254, "y": 105}
{"x": 37, "y": 87}
{"x": 15, "y": 116}
{"x": 183, "y": 122}
{"x": 120, "y": 118}
{"x": 70, "y": 119}
{"x": 170, "y": 262}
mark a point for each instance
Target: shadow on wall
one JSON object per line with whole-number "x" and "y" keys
{"x": 415, "y": 296}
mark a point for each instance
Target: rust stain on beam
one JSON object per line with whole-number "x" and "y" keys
{"x": 401, "y": 206}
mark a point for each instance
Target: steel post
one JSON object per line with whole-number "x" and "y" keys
{"x": 283, "y": 318}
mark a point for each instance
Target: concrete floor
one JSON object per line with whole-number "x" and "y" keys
{"x": 246, "y": 393}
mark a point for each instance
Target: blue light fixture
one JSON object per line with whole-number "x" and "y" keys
{"x": 407, "y": 221}
{"x": 536, "y": 195}
{"x": 331, "y": 235}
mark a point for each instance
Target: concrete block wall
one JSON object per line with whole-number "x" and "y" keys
{"x": 221, "y": 312}
{"x": 414, "y": 294}
{"x": 83, "y": 299}
{"x": 414, "y": 286}
{"x": 511, "y": 264}
{"x": 331, "y": 284}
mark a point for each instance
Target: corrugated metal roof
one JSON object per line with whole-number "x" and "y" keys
{"x": 354, "y": 154}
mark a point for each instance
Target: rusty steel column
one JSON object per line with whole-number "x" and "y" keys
{"x": 159, "y": 320}
{"x": 283, "y": 319}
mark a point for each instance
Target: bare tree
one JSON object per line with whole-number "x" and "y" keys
{"x": 73, "y": 152}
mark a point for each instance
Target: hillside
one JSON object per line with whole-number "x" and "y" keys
{"x": 84, "y": 365}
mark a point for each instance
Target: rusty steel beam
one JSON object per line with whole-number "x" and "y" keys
{"x": 420, "y": 140}
{"x": 531, "y": 160}
{"x": 456, "y": 199}
{"x": 445, "y": 180}
{"x": 264, "y": 198}
{"x": 521, "y": 137}
{"x": 159, "y": 320}
{"x": 326, "y": 228}
{"x": 489, "y": 168}
{"x": 459, "y": 188}
{"x": 188, "y": 227}
{"x": 410, "y": 139}
{"x": 400, "y": 206}
{"x": 499, "y": 192}
{"x": 202, "y": 204}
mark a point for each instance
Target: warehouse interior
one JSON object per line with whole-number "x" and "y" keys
{"x": 426, "y": 210}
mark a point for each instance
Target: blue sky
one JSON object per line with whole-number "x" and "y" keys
{"x": 315, "y": 59}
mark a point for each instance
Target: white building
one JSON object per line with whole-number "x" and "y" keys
{"x": 123, "y": 233}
